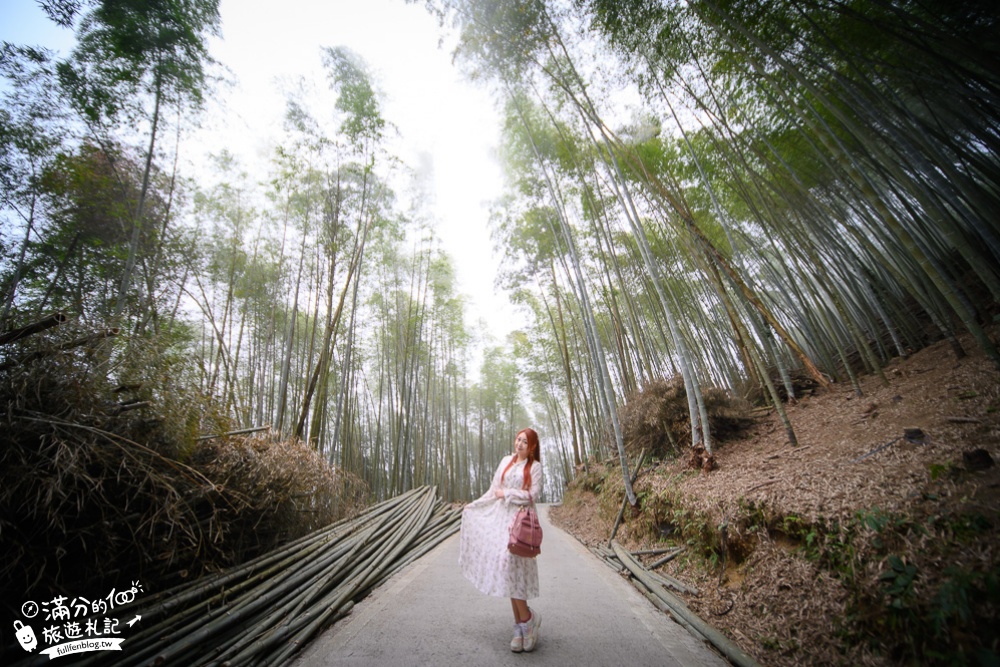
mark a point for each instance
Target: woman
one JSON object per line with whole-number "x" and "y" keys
{"x": 483, "y": 554}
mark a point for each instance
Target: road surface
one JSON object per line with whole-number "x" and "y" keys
{"x": 428, "y": 614}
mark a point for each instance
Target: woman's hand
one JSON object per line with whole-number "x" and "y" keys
{"x": 498, "y": 493}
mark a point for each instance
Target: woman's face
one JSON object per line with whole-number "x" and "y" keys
{"x": 521, "y": 445}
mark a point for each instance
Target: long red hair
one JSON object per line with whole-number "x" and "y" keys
{"x": 534, "y": 454}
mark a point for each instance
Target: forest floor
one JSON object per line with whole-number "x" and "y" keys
{"x": 811, "y": 554}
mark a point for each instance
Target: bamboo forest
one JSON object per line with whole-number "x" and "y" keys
{"x": 730, "y": 201}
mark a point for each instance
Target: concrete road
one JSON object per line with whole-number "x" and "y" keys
{"x": 428, "y": 614}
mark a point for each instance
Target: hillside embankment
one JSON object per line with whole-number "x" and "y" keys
{"x": 872, "y": 542}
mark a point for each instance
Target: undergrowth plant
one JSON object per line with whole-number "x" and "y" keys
{"x": 104, "y": 478}
{"x": 901, "y": 601}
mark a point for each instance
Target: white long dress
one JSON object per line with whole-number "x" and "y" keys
{"x": 483, "y": 555}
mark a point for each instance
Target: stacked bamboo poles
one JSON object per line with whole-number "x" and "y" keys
{"x": 263, "y": 611}
{"x": 655, "y": 587}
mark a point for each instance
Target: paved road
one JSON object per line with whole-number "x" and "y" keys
{"x": 428, "y": 614}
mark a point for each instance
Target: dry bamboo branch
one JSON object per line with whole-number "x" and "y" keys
{"x": 621, "y": 511}
{"x": 679, "y": 610}
{"x": 654, "y": 552}
{"x": 240, "y": 432}
{"x": 664, "y": 607}
{"x": 77, "y": 342}
{"x": 666, "y": 559}
{"x": 675, "y": 584}
{"x": 53, "y": 320}
{"x": 762, "y": 484}
{"x": 90, "y": 338}
{"x": 125, "y": 407}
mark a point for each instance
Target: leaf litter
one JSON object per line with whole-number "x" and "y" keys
{"x": 789, "y": 605}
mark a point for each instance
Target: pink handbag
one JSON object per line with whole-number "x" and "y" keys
{"x": 525, "y": 533}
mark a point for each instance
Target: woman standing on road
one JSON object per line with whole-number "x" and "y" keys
{"x": 483, "y": 554}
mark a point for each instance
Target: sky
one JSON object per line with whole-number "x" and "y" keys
{"x": 436, "y": 110}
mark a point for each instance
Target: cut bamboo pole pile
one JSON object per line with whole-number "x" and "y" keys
{"x": 263, "y": 611}
{"x": 654, "y": 587}
{"x": 610, "y": 558}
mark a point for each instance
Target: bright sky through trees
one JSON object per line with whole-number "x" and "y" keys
{"x": 437, "y": 112}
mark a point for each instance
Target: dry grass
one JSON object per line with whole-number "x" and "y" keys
{"x": 655, "y": 417}
{"x": 285, "y": 489}
{"x": 92, "y": 494}
{"x": 831, "y": 560}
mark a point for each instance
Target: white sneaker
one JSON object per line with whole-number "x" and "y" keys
{"x": 530, "y": 629}
{"x": 517, "y": 643}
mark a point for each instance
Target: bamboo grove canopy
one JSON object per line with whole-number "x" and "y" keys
{"x": 787, "y": 185}
{"x": 737, "y": 194}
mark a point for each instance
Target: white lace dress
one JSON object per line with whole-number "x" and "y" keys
{"x": 483, "y": 555}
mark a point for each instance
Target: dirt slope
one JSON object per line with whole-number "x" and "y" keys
{"x": 815, "y": 555}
